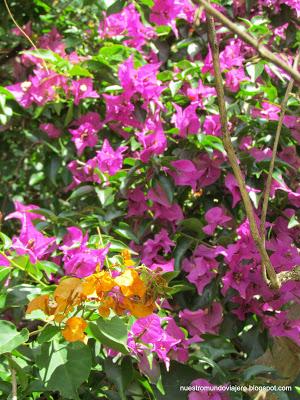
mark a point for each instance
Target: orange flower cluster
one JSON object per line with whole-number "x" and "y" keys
{"x": 74, "y": 330}
{"x": 134, "y": 292}
{"x": 67, "y": 295}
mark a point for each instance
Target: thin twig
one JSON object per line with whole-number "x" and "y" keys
{"x": 266, "y": 263}
{"x": 262, "y": 50}
{"x": 14, "y": 386}
{"x": 33, "y": 333}
{"x": 102, "y": 245}
{"x": 198, "y": 16}
{"x": 274, "y": 152}
{"x": 23, "y": 32}
{"x": 2, "y": 253}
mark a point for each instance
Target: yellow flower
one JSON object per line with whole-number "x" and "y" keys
{"x": 127, "y": 261}
{"x": 74, "y": 330}
{"x": 131, "y": 284}
{"x": 107, "y": 304}
{"x": 67, "y": 295}
{"x": 139, "y": 309}
{"x": 69, "y": 290}
{"x": 42, "y": 303}
{"x": 99, "y": 282}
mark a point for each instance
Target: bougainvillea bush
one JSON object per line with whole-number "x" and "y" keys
{"x": 149, "y": 199}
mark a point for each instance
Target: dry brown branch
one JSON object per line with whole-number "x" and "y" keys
{"x": 261, "y": 49}
{"x": 266, "y": 263}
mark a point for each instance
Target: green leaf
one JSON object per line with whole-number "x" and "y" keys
{"x": 4, "y": 272}
{"x": 216, "y": 347}
{"x": 57, "y": 107}
{"x": 69, "y": 115}
{"x": 149, "y": 3}
{"x": 178, "y": 375}
{"x": 167, "y": 185}
{"x": 8, "y": 94}
{"x": 164, "y": 76}
{"x": 181, "y": 286}
{"x": 113, "y": 53}
{"x": 77, "y": 70}
{"x": 19, "y": 295}
{"x": 193, "y": 49}
{"x": 259, "y": 25}
{"x": 210, "y": 292}
{"x": 163, "y": 30}
{"x": 44, "y": 54}
{"x": 217, "y": 370}
{"x": 42, "y": 4}
{"x": 5, "y": 240}
{"x": 230, "y": 326}
{"x": 34, "y": 271}
{"x": 124, "y": 230}
{"x": 10, "y": 338}
{"x": 53, "y": 168}
{"x": 106, "y": 196}
{"x": 194, "y": 226}
{"x": 115, "y": 245}
{"x": 174, "y": 87}
{"x": 113, "y": 88}
{"x": 46, "y": 213}
{"x": 81, "y": 191}
{"x": 249, "y": 89}
{"x": 36, "y": 178}
{"x": 63, "y": 367}
{"x": 256, "y": 370}
{"x": 255, "y": 197}
{"x": 120, "y": 376}
{"x": 22, "y": 261}
{"x": 270, "y": 92}
{"x": 116, "y": 7}
{"x": 210, "y": 142}
{"x": 48, "y": 334}
{"x": 255, "y": 70}
{"x": 48, "y": 266}
{"x": 168, "y": 276}
{"x": 102, "y": 67}
{"x": 111, "y": 333}
{"x": 293, "y": 222}
{"x": 278, "y": 176}
{"x": 183, "y": 244}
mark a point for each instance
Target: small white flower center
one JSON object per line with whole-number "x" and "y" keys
{"x": 83, "y": 88}
{"x": 25, "y": 85}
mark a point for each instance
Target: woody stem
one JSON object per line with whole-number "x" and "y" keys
{"x": 266, "y": 263}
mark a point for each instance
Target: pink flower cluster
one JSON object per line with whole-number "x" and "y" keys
{"x": 31, "y": 241}
{"x": 159, "y": 335}
{"x": 78, "y": 258}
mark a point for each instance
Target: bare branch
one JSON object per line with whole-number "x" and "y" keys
{"x": 23, "y": 32}
{"x": 261, "y": 49}
{"x": 14, "y": 386}
{"x": 274, "y": 151}
{"x": 266, "y": 263}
